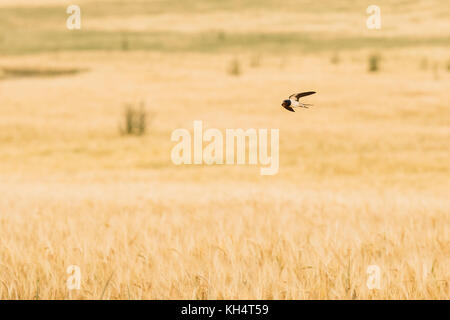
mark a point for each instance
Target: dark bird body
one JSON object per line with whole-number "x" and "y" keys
{"x": 292, "y": 102}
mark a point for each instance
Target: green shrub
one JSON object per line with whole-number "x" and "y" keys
{"x": 374, "y": 62}
{"x": 135, "y": 120}
{"x": 335, "y": 59}
{"x": 234, "y": 68}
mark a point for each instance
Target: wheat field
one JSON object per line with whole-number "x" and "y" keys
{"x": 364, "y": 175}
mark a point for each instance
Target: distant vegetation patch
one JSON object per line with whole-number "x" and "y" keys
{"x": 335, "y": 58}
{"x": 255, "y": 61}
{"x": 26, "y": 42}
{"x": 22, "y": 72}
{"x": 234, "y": 68}
{"x": 136, "y": 119}
{"x": 374, "y": 62}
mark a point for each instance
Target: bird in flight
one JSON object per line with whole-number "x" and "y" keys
{"x": 292, "y": 102}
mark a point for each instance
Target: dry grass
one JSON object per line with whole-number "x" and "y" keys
{"x": 275, "y": 242}
{"x": 364, "y": 178}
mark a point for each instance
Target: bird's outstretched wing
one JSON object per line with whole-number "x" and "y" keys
{"x": 302, "y": 94}
{"x": 289, "y": 108}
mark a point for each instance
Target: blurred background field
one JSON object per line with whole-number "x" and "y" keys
{"x": 364, "y": 175}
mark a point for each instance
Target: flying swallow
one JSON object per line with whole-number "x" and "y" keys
{"x": 292, "y": 102}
